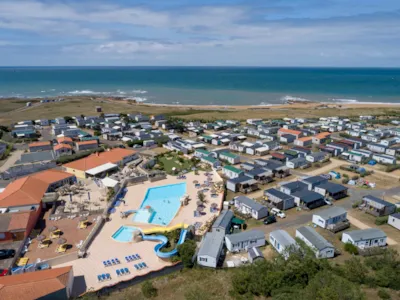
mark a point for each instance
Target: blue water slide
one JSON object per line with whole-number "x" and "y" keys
{"x": 164, "y": 240}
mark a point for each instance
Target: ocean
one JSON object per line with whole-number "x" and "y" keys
{"x": 206, "y": 85}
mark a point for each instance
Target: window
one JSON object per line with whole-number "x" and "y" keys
{"x": 203, "y": 259}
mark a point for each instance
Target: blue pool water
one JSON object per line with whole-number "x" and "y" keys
{"x": 164, "y": 201}
{"x": 124, "y": 234}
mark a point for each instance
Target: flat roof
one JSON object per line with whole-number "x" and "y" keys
{"x": 331, "y": 212}
{"x": 314, "y": 237}
{"x": 101, "y": 169}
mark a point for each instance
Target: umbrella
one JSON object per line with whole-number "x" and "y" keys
{"x": 195, "y": 181}
{"x": 53, "y": 228}
{"x": 200, "y": 208}
{"x": 88, "y": 194}
{"x": 82, "y": 218}
{"x": 41, "y": 237}
{"x": 214, "y": 205}
{"x": 61, "y": 241}
{"x": 199, "y": 203}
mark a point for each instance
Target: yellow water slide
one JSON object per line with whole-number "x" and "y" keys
{"x": 165, "y": 229}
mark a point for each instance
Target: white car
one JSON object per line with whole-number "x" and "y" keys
{"x": 328, "y": 202}
{"x": 278, "y": 212}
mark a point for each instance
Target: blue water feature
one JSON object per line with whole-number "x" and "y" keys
{"x": 164, "y": 202}
{"x": 163, "y": 239}
{"x": 124, "y": 234}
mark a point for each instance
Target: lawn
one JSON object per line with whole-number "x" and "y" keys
{"x": 170, "y": 160}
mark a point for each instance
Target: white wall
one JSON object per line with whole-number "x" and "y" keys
{"x": 364, "y": 244}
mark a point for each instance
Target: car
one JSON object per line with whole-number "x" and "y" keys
{"x": 278, "y": 212}
{"x": 269, "y": 220}
{"x": 328, "y": 202}
{"x": 7, "y": 253}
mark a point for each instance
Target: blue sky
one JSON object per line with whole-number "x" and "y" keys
{"x": 200, "y": 32}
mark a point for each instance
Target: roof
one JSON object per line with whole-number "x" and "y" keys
{"x": 322, "y": 135}
{"x": 396, "y": 215}
{"x": 101, "y": 169}
{"x": 377, "y": 200}
{"x": 39, "y": 144}
{"x": 19, "y": 220}
{"x": 307, "y": 196}
{"x": 258, "y": 172}
{"x": 331, "y": 212}
{"x": 203, "y": 151}
{"x": 278, "y": 194}
{"x": 253, "y": 234}
{"x": 35, "y": 284}
{"x": 241, "y": 179}
{"x": 289, "y": 131}
{"x": 366, "y": 234}
{"x": 229, "y": 154}
{"x": 249, "y": 202}
{"x": 64, "y": 139}
{"x": 223, "y": 219}
{"x": 233, "y": 169}
{"x": 314, "y": 179}
{"x": 97, "y": 159}
{"x": 254, "y": 253}
{"x": 90, "y": 142}
{"x": 29, "y": 190}
{"x": 62, "y": 146}
{"x": 298, "y": 185}
{"x": 211, "y": 244}
{"x": 36, "y": 157}
{"x": 314, "y": 237}
{"x": 109, "y": 182}
{"x": 283, "y": 237}
{"x": 278, "y": 155}
{"x": 332, "y": 187}
{"x": 305, "y": 139}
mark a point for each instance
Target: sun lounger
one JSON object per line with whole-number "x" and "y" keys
{"x": 132, "y": 257}
{"x": 99, "y": 278}
{"x": 108, "y": 276}
{"x": 113, "y": 262}
{"x": 138, "y": 256}
{"x": 117, "y": 260}
{"x": 144, "y": 265}
{"x": 128, "y": 259}
{"x": 136, "y": 267}
{"x": 103, "y": 277}
{"x": 105, "y": 264}
{"x": 122, "y": 271}
{"x": 126, "y": 270}
{"x": 118, "y": 272}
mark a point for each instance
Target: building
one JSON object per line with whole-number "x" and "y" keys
{"x": 17, "y": 226}
{"x": 297, "y": 163}
{"x": 282, "y": 242}
{"x": 330, "y": 217}
{"x": 303, "y": 142}
{"x": 308, "y": 199}
{"x": 296, "y": 133}
{"x": 248, "y": 206}
{"x": 292, "y": 187}
{"x": 223, "y": 223}
{"x": 384, "y": 159}
{"x": 365, "y": 238}
{"x": 279, "y": 199}
{"x": 321, "y": 247}
{"x": 260, "y": 174}
{"x": 40, "y": 146}
{"x": 232, "y": 172}
{"x": 86, "y": 145}
{"x": 377, "y": 206}
{"x": 100, "y": 163}
{"x": 394, "y": 220}
{"x": 210, "y": 249}
{"x": 332, "y": 190}
{"x": 254, "y": 254}
{"x": 209, "y": 160}
{"x": 316, "y": 156}
{"x": 242, "y": 183}
{"x": 244, "y": 240}
{"x": 65, "y": 140}
{"x": 55, "y": 283}
{"x": 62, "y": 149}
{"x": 321, "y": 138}
{"x": 314, "y": 181}
{"x": 231, "y": 158}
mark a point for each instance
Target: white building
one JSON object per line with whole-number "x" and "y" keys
{"x": 210, "y": 249}
{"x": 329, "y": 216}
{"x": 365, "y": 238}
{"x": 232, "y": 172}
{"x": 394, "y": 220}
{"x": 244, "y": 240}
{"x": 321, "y": 247}
{"x": 282, "y": 242}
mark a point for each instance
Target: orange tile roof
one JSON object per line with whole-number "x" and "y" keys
{"x": 97, "y": 159}
{"x": 38, "y": 144}
{"x": 87, "y": 142}
{"x": 19, "y": 220}
{"x": 29, "y": 190}
{"x": 322, "y": 135}
{"x": 289, "y": 131}
{"x": 60, "y": 146}
{"x": 34, "y": 285}
{"x": 64, "y": 139}
{"x": 305, "y": 139}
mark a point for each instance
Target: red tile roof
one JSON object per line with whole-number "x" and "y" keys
{"x": 87, "y": 142}
{"x": 39, "y": 144}
{"x": 64, "y": 139}
{"x": 34, "y": 285}
{"x": 19, "y": 220}
{"x": 61, "y": 146}
{"x": 289, "y": 131}
{"x": 323, "y": 135}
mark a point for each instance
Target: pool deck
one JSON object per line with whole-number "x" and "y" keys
{"x": 104, "y": 247}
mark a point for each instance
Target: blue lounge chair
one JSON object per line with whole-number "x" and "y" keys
{"x": 144, "y": 265}
{"x": 127, "y": 259}
{"x": 117, "y": 260}
{"x": 105, "y": 264}
{"x": 108, "y": 276}
{"x": 118, "y": 272}
{"x": 136, "y": 267}
{"x": 103, "y": 277}
{"x": 122, "y": 271}
{"x": 138, "y": 256}
{"x": 109, "y": 263}
{"x": 99, "y": 278}
{"x": 133, "y": 257}
{"x": 126, "y": 270}
{"x": 113, "y": 262}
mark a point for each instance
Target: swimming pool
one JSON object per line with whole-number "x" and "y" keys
{"x": 124, "y": 234}
{"x": 164, "y": 202}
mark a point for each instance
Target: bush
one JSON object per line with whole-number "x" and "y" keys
{"x": 317, "y": 165}
{"x": 345, "y": 175}
{"x": 97, "y": 133}
{"x": 186, "y": 252}
{"x": 348, "y": 247}
{"x": 345, "y": 180}
{"x": 148, "y": 290}
{"x": 383, "y": 294}
{"x": 356, "y": 204}
{"x": 392, "y": 168}
{"x": 355, "y": 177}
{"x": 381, "y": 220}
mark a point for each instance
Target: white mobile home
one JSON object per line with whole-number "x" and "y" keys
{"x": 282, "y": 242}
{"x": 365, "y": 238}
{"x": 394, "y": 220}
{"x": 329, "y": 217}
{"x": 244, "y": 240}
{"x": 321, "y": 247}
{"x": 210, "y": 249}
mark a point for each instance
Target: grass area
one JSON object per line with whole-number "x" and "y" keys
{"x": 10, "y": 105}
{"x": 171, "y": 160}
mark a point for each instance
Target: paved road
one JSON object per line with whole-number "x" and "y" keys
{"x": 14, "y": 156}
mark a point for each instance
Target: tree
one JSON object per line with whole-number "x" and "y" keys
{"x": 202, "y": 197}
{"x": 148, "y": 290}
{"x": 351, "y": 248}
{"x": 97, "y": 133}
{"x": 186, "y": 252}
{"x": 383, "y": 294}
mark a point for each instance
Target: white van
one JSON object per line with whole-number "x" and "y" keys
{"x": 278, "y": 212}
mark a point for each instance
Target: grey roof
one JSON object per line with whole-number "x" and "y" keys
{"x": 332, "y": 187}
{"x": 245, "y": 236}
{"x": 317, "y": 154}
{"x": 278, "y": 194}
{"x": 314, "y": 179}
{"x": 331, "y": 212}
{"x": 314, "y": 237}
{"x": 240, "y": 179}
{"x": 396, "y": 215}
{"x": 366, "y": 234}
{"x": 301, "y": 149}
{"x": 258, "y": 171}
{"x": 295, "y": 185}
{"x": 298, "y": 159}
{"x": 36, "y": 156}
{"x": 377, "y": 200}
{"x": 211, "y": 244}
{"x": 284, "y": 238}
{"x": 255, "y": 252}
{"x": 223, "y": 219}
{"x": 249, "y": 202}
{"x": 308, "y": 196}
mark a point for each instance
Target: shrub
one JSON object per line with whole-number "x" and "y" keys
{"x": 348, "y": 247}
{"x": 356, "y": 204}
{"x": 355, "y": 177}
{"x": 392, "y": 168}
{"x": 317, "y": 165}
{"x": 383, "y": 294}
{"x": 381, "y": 220}
{"x": 186, "y": 252}
{"x": 345, "y": 180}
{"x": 148, "y": 290}
{"x": 345, "y": 175}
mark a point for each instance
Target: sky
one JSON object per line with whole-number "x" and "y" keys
{"x": 349, "y": 33}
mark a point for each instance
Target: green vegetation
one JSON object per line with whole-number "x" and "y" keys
{"x": 391, "y": 168}
{"x": 148, "y": 290}
{"x": 381, "y": 220}
{"x": 68, "y": 158}
{"x": 186, "y": 252}
{"x": 170, "y": 160}
{"x": 7, "y": 152}
{"x": 348, "y": 247}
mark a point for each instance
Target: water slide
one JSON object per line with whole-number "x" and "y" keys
{"x": 165, "y": 229}
{"x": 164, "y": 240}
{"x": 125, "y": 214}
